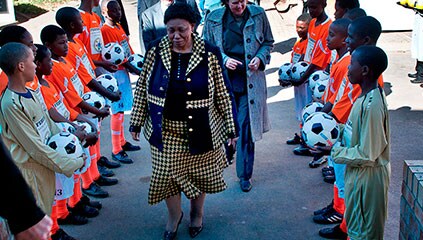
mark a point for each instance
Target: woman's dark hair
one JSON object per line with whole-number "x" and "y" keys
{"x": 180, "y": 10}
{"x": 41, "y": 52}
{"x": 12, "y": 34}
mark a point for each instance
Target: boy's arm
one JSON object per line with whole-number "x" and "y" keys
{"x": 95, "y": 86}
{"x": 372, "y": 141}
{"x": 29, "y": 139}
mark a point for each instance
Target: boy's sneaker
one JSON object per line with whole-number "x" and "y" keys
{"x": 73, "y": 219}
{"x": 61, "y": 235}
{"x": 329, "y": 179}
{"x": 333, "y": 233}
{"x": 328, "y": 173}
{"x": 105, "y": 172}
{"x": 87, "y": 201}
{"x": 130, "y": 147}
{"x": 317, "y": 161}
{"x": 122, "y": 157}
{"x": 328, "y": 217}
{"x": 324, "y": 210}
{"x": 295, "y": 140}
{"x": 327, "y": 168}
{"x": 302, "y": 151}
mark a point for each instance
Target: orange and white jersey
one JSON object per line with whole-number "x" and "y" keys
{"x": 66, "y": 79}
{"x": 345, "y": 98}
{"x": 78, "y": 57}
{"x": 54, "y": 99}
{"x": 337, "y": 72}
{"x": 91, "y": 34}
{"x": 298, "y": 50}
{"x": 317, "y": 52}
{"x": 117, "y": 34}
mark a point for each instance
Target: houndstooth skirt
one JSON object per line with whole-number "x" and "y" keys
{"x": 176, "y": 170}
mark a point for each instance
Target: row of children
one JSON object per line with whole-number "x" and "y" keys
{"x": 42, "y": 89}
{"x": 359, "y": 161}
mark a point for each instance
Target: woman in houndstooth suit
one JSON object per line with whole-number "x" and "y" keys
{"x": 183, "y": 102}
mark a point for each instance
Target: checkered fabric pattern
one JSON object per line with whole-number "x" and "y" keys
{"x": 176, "y": 170}
{"x": 139, "y": 110}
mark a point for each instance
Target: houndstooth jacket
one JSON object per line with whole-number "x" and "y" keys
{"x": 210, "y": 109}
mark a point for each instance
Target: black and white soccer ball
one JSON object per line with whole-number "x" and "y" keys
{"x": 320, "y": 129}
{"x": 113, "y": 53}
{"x": 310, "y": 109}
{"x": 285, "y": 72}
{"x": 94, "y": 99}
{"x": 319, "y": 89}
{"x": 65, "y": 127}
{"x": 317, "y": 76}
{"x": 298, "y": 70}
{"x": 66, "y": 144}
{"x": 136, "y": 60}
{"x": 88, "y": 127}
{"x": 108, "y": 82}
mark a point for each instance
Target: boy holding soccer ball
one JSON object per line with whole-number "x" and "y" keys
{"x": 113, "y": 32}
{"x": 365, "y": 146}
{"x": 301, "y": 92}
{"x": 65, "y": 78}
{"x": 27, "y": 139}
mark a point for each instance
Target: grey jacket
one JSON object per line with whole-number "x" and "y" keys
{"x": 258, "y": 42}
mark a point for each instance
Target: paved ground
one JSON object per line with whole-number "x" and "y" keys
{"x": 286, "y": 190}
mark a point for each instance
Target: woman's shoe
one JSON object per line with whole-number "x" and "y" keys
{"x": 194, "y": 231}
{"x": 168, "y": 235}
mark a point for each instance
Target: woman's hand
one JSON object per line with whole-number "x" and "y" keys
{"x": 254, "y": 64}
{"x": 232, "y": 63}
{"x": 135, "y": 136}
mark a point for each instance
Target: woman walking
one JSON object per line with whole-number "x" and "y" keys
{"x": 183, "y": 102}
{"x": 242, "y": 32}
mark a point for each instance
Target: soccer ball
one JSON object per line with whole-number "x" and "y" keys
{"x": 320, "y": 129}
{"x": 88, "y": 127}
{"x": 285, "y": 72}
{"x": 113, "y": 53}
{"x": 136, "y": 60}
{"x": 298, "y": 70}
{"x": 66, "y": 144}
{"x": 108, "y": 82}
{"x": 319, "y": 90}
{"x": 65, "y": 127}
{"x": 319, "y": 75}
{"x": 310, "y": 109}
{"x": 94, "y": 99}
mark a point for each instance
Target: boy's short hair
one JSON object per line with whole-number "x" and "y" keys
{"x": 343, "y": 23}
{"x": 373, "y": 57}
{"x": 348, "y": 4}
{"x": 65, "y": 16}
{"x": 12, "y": 33}
{"x": 11, "y": 54}
{"x": 41, "y": 52}
{"x": 50, "y": 32}
{"x": 355, "y": 13}
{"x": 305, "y": 17}
{"x": 104, "y": 3}
{"x": 367, "y": 26}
